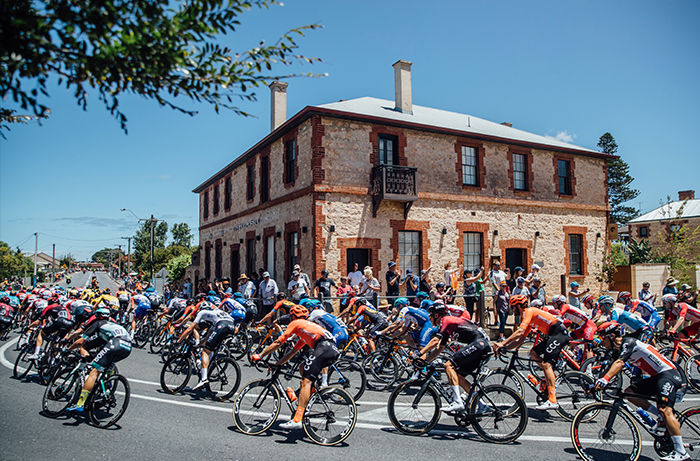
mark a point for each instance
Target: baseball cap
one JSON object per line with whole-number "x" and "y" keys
{"x": 295, "y": 273}
{"x": 535, "y": 267}
{"x": 266, "y": 274}
{"x": 409, "y": 271}
{"x": 391, "y": 264}
{"x": 520, "y": 280}
{"x": 297, "y": 267}
{"x": 518, "y": 268}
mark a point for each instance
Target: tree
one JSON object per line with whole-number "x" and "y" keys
{"x": 177, "y": 265}
{"x": 619, "y": 181}
{"x": 679, "y": 243}
{"x": 13, "y": 263}
{"x": 67, "y": 261}
{"x": 182, "y": 235}
{"x": 106, "y": 255}
{"x": 639, "y": 251}
{"x": 142, "y": 243}
{"x": 161, "y": 50}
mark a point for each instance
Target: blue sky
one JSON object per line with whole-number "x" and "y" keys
{"x": 569, "y": 69}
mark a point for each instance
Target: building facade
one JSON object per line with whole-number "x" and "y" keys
{"x": 372, "y": 181}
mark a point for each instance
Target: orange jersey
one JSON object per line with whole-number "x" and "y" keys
{"x": 309, "y": 333}
{"x": 284, "y": 305}
{"x": 537, "y": 319}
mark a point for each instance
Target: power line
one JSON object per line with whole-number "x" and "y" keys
{"x": 78, "y": 240}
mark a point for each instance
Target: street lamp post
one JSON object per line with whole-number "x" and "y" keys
{"x": 152, "y": 221}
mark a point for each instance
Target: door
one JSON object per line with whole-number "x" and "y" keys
{"x": 270, "y": 253}
{"x": 235, "y": 266}
{"x": 361, "y": 256}
{"x": 515, "y": 257}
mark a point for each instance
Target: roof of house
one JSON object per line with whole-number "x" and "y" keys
{"x": 445, "y": 119}
{"x": 670, "y": 211}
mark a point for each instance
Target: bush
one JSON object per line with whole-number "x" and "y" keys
{"x": 177, "y": 265}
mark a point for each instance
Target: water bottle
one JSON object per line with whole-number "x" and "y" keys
{"x": 535, "y": 382}
{"x": 291, "y": 394}
{"x": 645, "y": 416}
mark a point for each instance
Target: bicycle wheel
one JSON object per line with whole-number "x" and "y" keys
{"x": 238, "y": 345}
{"x": 505, "y": 378}
{"x": 108, "y": 401}
{"x": 690, "y": 428}
{"x": 175, "y": 373}
{"x": 499, "y": 414}
{"x": 330, "y": 416}
{"x": 573, "y": 393}
{"x": 60, "y": 392}
{"x": 158, "y": 340}
{"x": 349, "y": 376}
{"x": 593, "y": 368}
{"x": 224, "y": 378}
{"x": 22, "y": 364}
{"x": 142, "y": 335}
{"x": 692, "y": 371}
{"x": 382, "y": 371}
{"x": 593, "y": 441}
{"x": 412, "y": 413}
{"x": 256, "y": 407}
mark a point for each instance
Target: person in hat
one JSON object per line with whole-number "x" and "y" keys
{"x": 670, "y": 287}
{"x": 520, "y": 288}
{"x": 297, "y": 287}
{"x": 322, "y": 289}
{"x": 534, "y": 273}
{"x": 369, "y": 283}
{"x": 393, "y": 279}
{"x": 304, "y": 276}
{"x": 412, "y": 283}
{"x": 245, "y": 286}
{"x": 575, "y": 293}
{"x": 267, "y": 291}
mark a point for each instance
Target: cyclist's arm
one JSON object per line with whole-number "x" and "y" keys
{"x": 432, "y": 344}
{"x": 678, "y": 324}
{"x": 516, "y": 339}
{"x": 615, "y": 368}
{"x": 187, "y": 332}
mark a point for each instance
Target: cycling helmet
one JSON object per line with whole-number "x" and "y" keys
{"x": 361, "y": 302}
{"x": 200, "y": 296}
{"x": 106, "y": 291}
{"x": 624, "y": 296}
{"x": 151, "y": 290}
{"x": 298, "y": 312}
{"x": 520, "y": 301}
{"x": 280, "y": 296}
{"x": 536, "y": 303}
{"x": 426, "y": 304}
{"x": 210, "y": 293}
{"x": 102, "y": 312}
{"x": 558, "y": 300}
{"x": 669, "y": 299}
{"x": 437, "y": 308}
{"x": 609, "y": 328}
{"x": 206, "y": 306}
{"x": 606, "y": 300}
{"x": 401, "y": 302}
{"x": 685, "y": 287}
{"x": 422, "y": 295}
{"x": 586, "y": 299}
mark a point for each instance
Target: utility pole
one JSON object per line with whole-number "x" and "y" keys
{"x": 119, "y": 255}
{"x": 36, "y": 250}
{"x": 128, "y": 260}
{"x": 53, "y": 264}
{"x": 153, "y": 226}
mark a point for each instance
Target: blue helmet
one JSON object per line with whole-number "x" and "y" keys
{"x": 422, "y": 295}
{"x": 401, "y": 302}
{"x": 426, "y": 304}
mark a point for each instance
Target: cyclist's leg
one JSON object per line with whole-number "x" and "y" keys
{"x": 324, "y": 354}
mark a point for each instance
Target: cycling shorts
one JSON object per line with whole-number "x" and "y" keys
{"x": 551, "y": 345}
{"x": 662, "y": 386}
{"x": 586, "y": 332}
{"x": 424, "y": 335}
{"x": 341, "y": 336}
{"x": 377, "y": 327}
{"x": 5, "y": 321}
{"x": 140, "y": 312}
{"x": 60, "y": 326}
{"x": 222, "y": 330}
{"x": 323, "y": 355}
{"x": 123, "y": 304}
{"x": 115, "y": 350}
{"x": 467, "y": 359}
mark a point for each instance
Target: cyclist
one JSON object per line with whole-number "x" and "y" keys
{"x": 55, "y": 319}
{"x": 123, "y": 296}
{"x": 282, "y": 308}
{"x": 251, "y": 309}
{"x": 662, "y": 383}
{"x": 643, "y": 308}
{"x": 682, "y": 312}
{"x": 221, "y": 325}
{"x": 546, "y": 352}
{"x": 399, "y": 303}
{"x": 475, "y": 346}
{"x": 582, "y": 326}
{"x": 142, "y": 304}
{"x": 233, "y": 308}
{"x": 336, "y": 327}
{"x": 415, "y": 319}
{"x": 367, "y": 313}
{"x": 7, "y": 313}
{"x": 324, "y": 353}
{"x": 115, "y": 343}
{"x": 632, "y": 324}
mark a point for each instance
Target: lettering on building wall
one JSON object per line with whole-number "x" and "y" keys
{"x": 252, "y": 222}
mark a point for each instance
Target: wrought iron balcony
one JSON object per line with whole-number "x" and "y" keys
{"x": 390, "y": 182}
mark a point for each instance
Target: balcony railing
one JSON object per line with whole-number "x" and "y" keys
{"x": 396, "y": 183}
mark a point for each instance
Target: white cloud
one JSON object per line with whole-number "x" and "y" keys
{"x": 563, "y": 136}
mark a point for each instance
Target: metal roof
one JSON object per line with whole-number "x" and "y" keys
{"x": 444, "y": 119}
{"x": 670, "y": 211}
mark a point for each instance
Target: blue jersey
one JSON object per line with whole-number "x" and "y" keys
{"x": 331, "y": 323}
{"x": 14, "y": 301}
{"x": 629, "y": 322}
{"x": 232, "y": 307}
{"x": 414, "y": 316}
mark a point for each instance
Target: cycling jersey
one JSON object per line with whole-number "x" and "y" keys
{"x": 56, "y": 311}
{"x": 123, "y": 296}
{"x": 283, "y": 305}
{"x": 534, "y": 318}
{"x": 689, "y": 313}
{"x": 81, "y": 310}
{"x": 212, "y": 317}
{"x": 6, "y": 310}
{"x": 106, "y": 301}
{"x": 461, "y": 330}
{"x": 99, "y": 331}
{"x": 458, "y": 311}
{"x": 141, "y": 301}
{"x": 177, "y": 303}
{"x": 575, "y": 315}
{"x": 369, "y": 313}
{"x": 14, "y": 301}
{"x": 309, "y": 333}
{"x": 331, "y": 323}
{"x": 645, "y": 356}
{"x": 414, "y": 316}
{"x": 630, "y": 322}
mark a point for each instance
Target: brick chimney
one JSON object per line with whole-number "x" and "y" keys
{"x": 402, "y": 86}
{"x": 686, "y": 195}
{"x": 278, "y": 104}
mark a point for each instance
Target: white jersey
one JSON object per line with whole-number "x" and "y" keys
{"x": 212, "y": 316}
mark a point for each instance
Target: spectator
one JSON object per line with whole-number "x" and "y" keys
{"x": 412, "y": 283}
{"x": 686, "y": 295}
{"x": 496, "y": 276}
{"x": 645, "y": 294}
{"x": 226, "y": 287}
{"x": 322, "y": 289}
{"x": 443, "y": 293}
{"x": 575, "y": 294}
{"x": 188, "y": 288}
{"x": 245, "y": 286}
{"x": 267, "y": 290}
{"x": 369, "y": 284}
{"x": 670, "y": 287}
{"x": 520, "y": 288}
{"x": 534, "y": 273}
{"x": 501, "y": 308}
{"x": 425, "y": 284}
{"x": 303, "y": 275}
{"x": 355, "y": 276}
{"x": 344, "y": 288}
{"x": 451, "y": 277}
{"x": 537, "y": 290}
{"x": 297, "y": 287}
{"x": 393, "y": 280}
{"x": 470, "y": 289}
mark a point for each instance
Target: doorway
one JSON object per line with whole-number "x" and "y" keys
{"x": 235, "y": 266}
{"x": 361, "y": 256}
{"x": 516, "y": 257}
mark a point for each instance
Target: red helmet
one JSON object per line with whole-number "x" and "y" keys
{"x": 299, "y": 312}
{"x": 609, "y": 328}
{"x": 624, "y": 296}
{"x": 586, "y": 299}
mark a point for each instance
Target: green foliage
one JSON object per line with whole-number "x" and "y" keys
{"x": 612, "y": 259}
{"x": 618, "y": 255}
{"x": 162, "y": 50}
{"x": 177, "y": 265}
{"x": 639, "y": 252}
{"x": 679, "y": 245}
{"x": 182, "y": 235}
{"x": 67, "y": 261}
{"x": 106, "y": 255}
{"x": 13, "y": 263}
{"x": 142, "y": 244}
{"x": 619, "y": 181}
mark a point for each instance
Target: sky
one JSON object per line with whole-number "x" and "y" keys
{"x": 570, "y": 70}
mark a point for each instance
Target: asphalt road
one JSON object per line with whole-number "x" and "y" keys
{"x": 191, "y": 426}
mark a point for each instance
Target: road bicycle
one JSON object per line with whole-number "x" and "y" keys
{"x": 105, "y": 404}
{"x": 329, "y": 417}
{"x": 610, "y": 431}
{"x": 497, "y": 413}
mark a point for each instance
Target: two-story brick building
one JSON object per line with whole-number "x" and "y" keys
{"x": 373, "y": 180}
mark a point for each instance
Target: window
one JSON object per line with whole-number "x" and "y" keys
{"x": 470, "y": 166}
{"x": 520, "y": 172}
{"x": 289, "y": 161}
{"x": 644, "y": 231}
{"x": 264, "y": 179}
{"x": 207, "y": 261}
{"x": 564, "y": 173}
{"x": 410, "y": 251}
{"x": 472, "y": 250}
{"x": 270, "y": 255}
{"x": 217, "y": 259}
{"x": 388, "y": 152}
{"x": 216, "y": 199}
{"x": 575, "y": 254}
{"x": 251, "y": 182}
{"x": 227, "y": 194}
{"x": 206, "y": 204}
{"x": 293, "y": 245}
{"x": 250, "y": 255}
{"x": 674, "y": 228}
